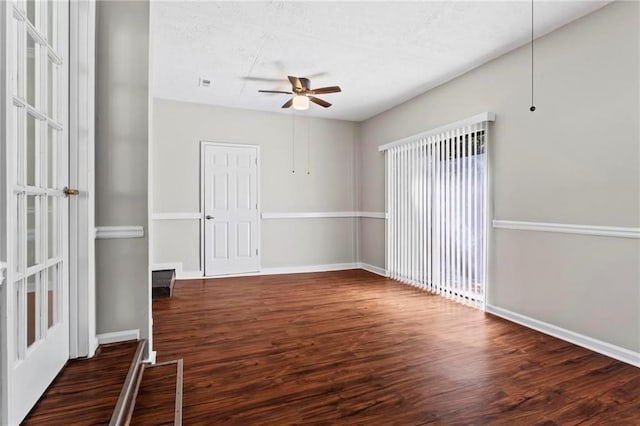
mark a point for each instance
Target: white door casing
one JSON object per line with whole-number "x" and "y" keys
{"x": 35, "y": 296}
{"x": 230, "y": 208}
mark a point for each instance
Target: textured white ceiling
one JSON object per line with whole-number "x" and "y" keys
{"x": 380, "y": 53}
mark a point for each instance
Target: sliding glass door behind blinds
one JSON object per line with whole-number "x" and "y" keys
{"x": 436, "y": 202}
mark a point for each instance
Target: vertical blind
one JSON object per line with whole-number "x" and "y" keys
{"x": 436, "y": 205}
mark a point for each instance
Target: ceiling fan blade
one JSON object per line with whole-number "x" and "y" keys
{"x": 305, "y": 83}
{"x": 295, "y": 82}
{"x": 275, "y": 91}
{"x": 323, "y": 90}
{"x": 288, "y": 103}
{"x": 319, "y": 101}
{"x": 265, "y": 79}
{"x": 316, "y": 75}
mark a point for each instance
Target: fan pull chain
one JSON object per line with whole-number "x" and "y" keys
{"x": 293, "y": 144}
{"x": 308, "y": 148}
{"x": 533, "y": 107}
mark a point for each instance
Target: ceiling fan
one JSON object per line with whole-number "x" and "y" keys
{"x": 302, "y": 93}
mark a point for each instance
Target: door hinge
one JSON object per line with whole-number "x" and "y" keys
{"x": 256, "y": 252}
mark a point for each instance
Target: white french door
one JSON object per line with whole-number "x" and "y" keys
{"x": 36, "y": 293}
{"x": 230, "y": 208}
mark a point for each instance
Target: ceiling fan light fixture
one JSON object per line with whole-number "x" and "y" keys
{"x": 303, "y": 94}
{"x": 300, "y": 102}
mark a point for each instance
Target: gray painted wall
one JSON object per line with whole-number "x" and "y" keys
{"x": 178, "y": 128}
{"x": 576, "y": 160}
{"x": 122, "y": 90}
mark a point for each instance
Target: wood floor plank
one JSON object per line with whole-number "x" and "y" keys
{"x": 155, "y": 403}
{"x": 351, "y": 347}
{"x": 86, "y": 391}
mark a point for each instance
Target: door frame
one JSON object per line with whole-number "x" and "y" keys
{"x": 83, "y": 341}
{"x": 79, "y": 129}
{"x": 6, "y": 11}
{"x": 4, "y": 104}
{"x": 203, "y": 144}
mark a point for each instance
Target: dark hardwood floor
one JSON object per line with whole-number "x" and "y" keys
{"x": 155, "y": 403}
{"x": 86, "y": 391}
{"x": 351, "y": 347}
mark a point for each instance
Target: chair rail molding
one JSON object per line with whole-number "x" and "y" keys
{"x": 277, "y": 215}
{"x": 602, "y": 231}
{"x": 115, "y": 232}
{"x": 373, "y": 215}
{"x": 322, "y": 215}
{"x": 177, "y": 216}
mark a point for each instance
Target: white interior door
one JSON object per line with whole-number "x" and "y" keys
{"x": 36, "y": 296}
{"x": 230, "y": 210}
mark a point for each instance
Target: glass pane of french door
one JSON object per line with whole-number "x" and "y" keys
{"x": 38, "y": 142}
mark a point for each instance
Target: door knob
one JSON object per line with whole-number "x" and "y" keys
{"x": 209, "y": 217}
{"x": 70, "y": 191}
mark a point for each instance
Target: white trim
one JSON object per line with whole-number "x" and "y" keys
{"x": 308, "y": 215}
{"x": 118, "y": 336}
{"x": 110, "y": 232}
{"x": 177, "y": 267}
{"x": 308, "y": 268}
{"x": 602, "y": 231}
{"x": 6, "y": 221}
{"x": 373, "y": 215}
{"x": 608, "y": 349}
{"x": 192, "y": 275}
{"x": 151, "y": 354}
{"x": 177, "y": 216}
{"x": 187, "y": 275}
{"x": 282, "y": 270}
{"x": 478, "y": 118}
{"x": 93, "y": 345}
{"x": 151, "y": 359}
{"x": 3, "y": 267}
{"x": 373, "y": 269}
{"x": 322, "y": 215}
{"x": 488, "y": 214}
{"x": 82, "y": 315}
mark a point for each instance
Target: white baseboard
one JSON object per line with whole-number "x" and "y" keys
{"x": 118, "y": 336}
{"x": 604, "y": 348}
{"x": 165, "y": 266}
{"x": 151, "y": 359}
{"x": 279, "y": 271}
{"x": 180, "y": 273}
{"x": 187, "y": 275}
{"x": 373, "y": 269}
{"x": 308, "y": 268}
{"x": 93, "y": 346}
{"x": 198, "y": 275}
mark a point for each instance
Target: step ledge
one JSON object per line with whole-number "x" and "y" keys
{"x": 179, "y": 376}
{"x": 124, "y": 407}
{"x": 179, "y": 384}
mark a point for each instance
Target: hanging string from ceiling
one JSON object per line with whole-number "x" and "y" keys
{"x": 308, "y": 147}
{"x": 533, "y": 107}
{"x": 293, "y": 143}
